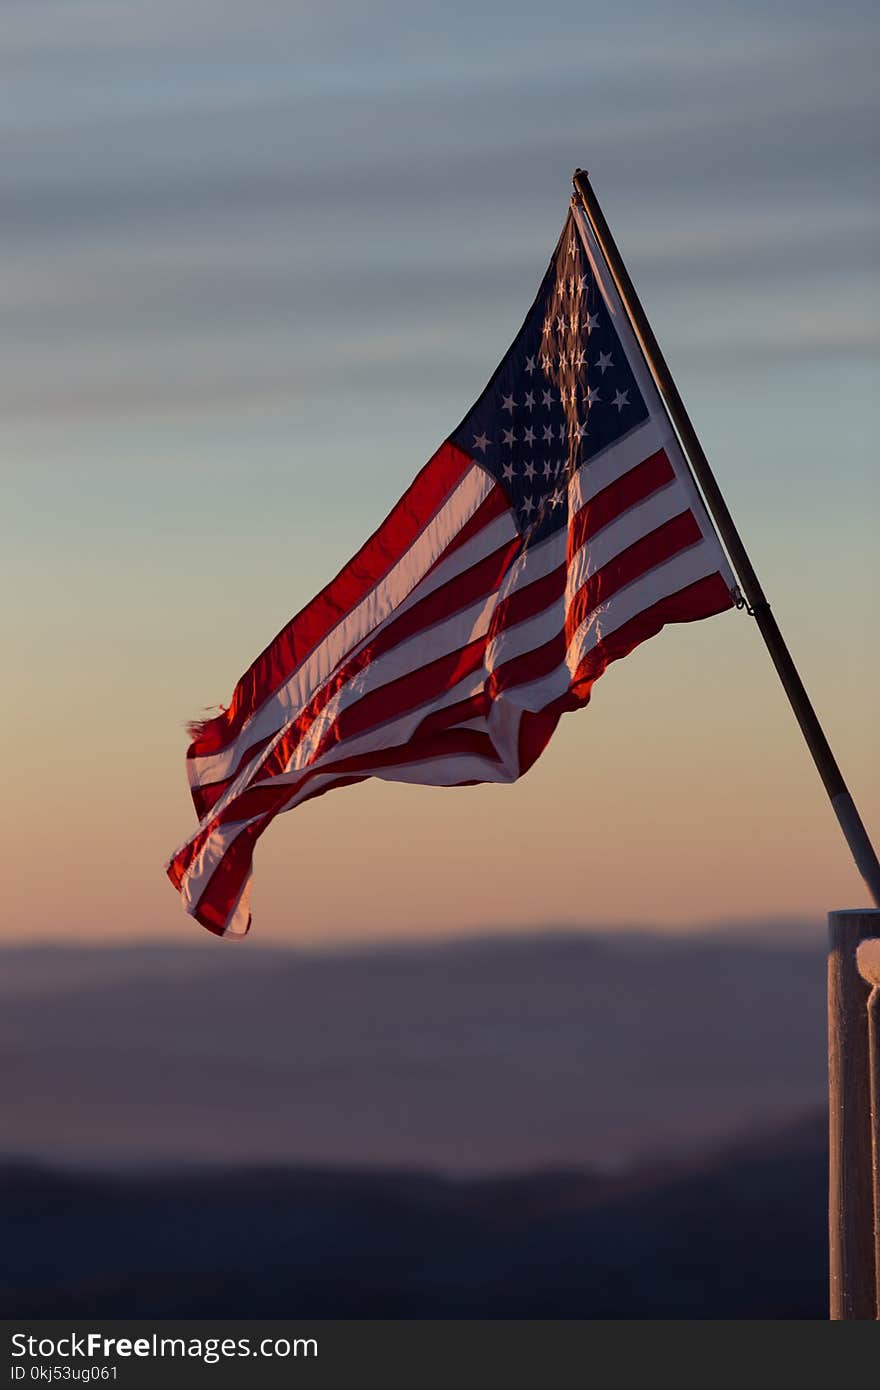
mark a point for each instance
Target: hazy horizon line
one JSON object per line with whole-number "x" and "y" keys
{"x": 773, "y": 931}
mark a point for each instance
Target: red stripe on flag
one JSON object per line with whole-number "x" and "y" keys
{"x": 480, "y": 579}
{"x": 302, "y": 634}
{"x": 224, "y": 885}
{"x": 388, "y": 702}
{"x": 493, "y": 505}
{"x": 270, "y": 798}
{"x": 699, "y": 600}
{"x": 608, "y": 505}
{"x": 528, "y": 599}
{"x": 406, "y": 693}
{"x": 702, "y": 599}
{"x": 629, "y": 565}
{"x": 227, "y": 880}
{"x": 205, "y": 795}
{"x": 463, "y": 710}
{"x": 615, "y": 499}
{"x": 626, "y": 492}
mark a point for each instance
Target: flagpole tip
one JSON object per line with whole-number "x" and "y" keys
{"x": 578, "y": 179}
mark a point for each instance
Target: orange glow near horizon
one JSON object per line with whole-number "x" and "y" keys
{"x": 681, "y": 797}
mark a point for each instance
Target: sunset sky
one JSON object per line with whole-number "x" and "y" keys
{"x": 256, "y": 261}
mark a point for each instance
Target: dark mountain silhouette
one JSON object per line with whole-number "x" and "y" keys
{"x": 495, "y": 1127}
{"x": 740, "y": 1234}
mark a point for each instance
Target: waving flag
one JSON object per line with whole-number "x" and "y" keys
{"x": 552, "y": 532}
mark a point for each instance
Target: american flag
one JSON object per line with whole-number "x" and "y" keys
{"x": 555, "y": 529}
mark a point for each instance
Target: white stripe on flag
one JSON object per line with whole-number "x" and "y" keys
{"x": 380, "y": 604}
{"x": 648, "y": 388}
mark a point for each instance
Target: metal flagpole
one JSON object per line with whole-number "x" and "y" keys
{"x": 844, "y": 807}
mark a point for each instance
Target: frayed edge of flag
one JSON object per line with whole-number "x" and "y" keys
{"x": 197, "y": 728}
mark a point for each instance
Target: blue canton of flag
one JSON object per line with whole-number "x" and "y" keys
{"x": 563, "y": 393}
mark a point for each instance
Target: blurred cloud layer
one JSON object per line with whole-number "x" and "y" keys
{"x": 257, "y": 260}
{"x": 194, "y": 197}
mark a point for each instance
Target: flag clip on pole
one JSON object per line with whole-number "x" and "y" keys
{"x": 753, "y": 595}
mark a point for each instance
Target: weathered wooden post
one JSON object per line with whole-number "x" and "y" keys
{"x": 868, "y": 957}
{"x": 852, "y": 1176}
